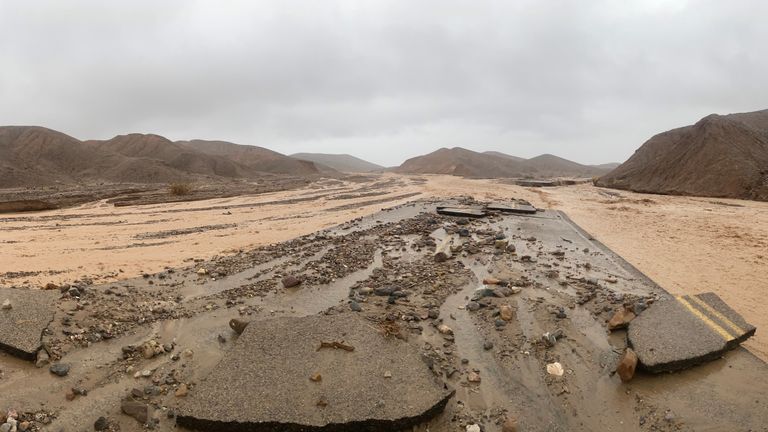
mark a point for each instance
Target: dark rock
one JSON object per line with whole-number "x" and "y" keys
{"x": 291, "y": 281}
{"x": 238, "y": 325}
{"x": 488, "y": 345}
{"x": 60, "y": 369}
{"x": 135, "y": 409}
{"x": 384, "y": 290}
{"x": 473, "y": 306}
{"x": 101, "y": 424}
{"x": 355, "y": 306}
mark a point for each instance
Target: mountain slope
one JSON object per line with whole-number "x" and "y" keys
{"x": 554, "y": 166}
{"x": 504, "y": 155}
{"x": 340, "y": 162}
{"x": 719, "y": 156}
{"x": 254, "y": 158}
{"x": 463, "y": 162}
{"x": 36, "y": 156}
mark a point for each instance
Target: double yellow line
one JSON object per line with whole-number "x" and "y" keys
{"x": 735, "y": 330}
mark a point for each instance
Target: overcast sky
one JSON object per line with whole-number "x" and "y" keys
{"x": 383, "y": 80}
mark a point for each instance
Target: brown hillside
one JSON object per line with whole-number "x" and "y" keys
{"x": 554, "y": 166}
{"x": 466, "y": 163}
{"x": 180, "y": 157}
{"x": 720, "y": 156}
{"x": 36, "y": 156}
{"x": 253, "y": 157}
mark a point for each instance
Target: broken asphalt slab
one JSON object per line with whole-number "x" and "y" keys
{"x": 285, "y": 374}
{"x": 515, "y": 208}
{"x": 684, "y": 331}
{"x": 22, "y": 325}
{"x": 470, "y": 212}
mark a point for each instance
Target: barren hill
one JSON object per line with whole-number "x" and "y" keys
{"x": 504, "y": 155}
{"x": 36, "y": 156}
{"x": 340, "y": 162}
{"x": 719, "y": 156}
{"x": 253, "y": 157}
{"x": 463, "y": 162}
{"x": 554, "y": 166}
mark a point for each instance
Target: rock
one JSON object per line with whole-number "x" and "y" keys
{"x": 550, "y": 338}
{"x": 135, "y": 409}
{"x": 473, "y": 428}
{"x": 60, "y": 369}
{"x": 491, "y": 281}
{"x": 238, "y": 325}
{"x": 42, "y": 358}
{"x": 316, "y": 377}
{"x": 473, "y": 306}
{"x": 355, "y": 306}
{"x": 433, "y": 314}
{"x": 443, "y": 250}
{"x": 506, "y": 313}
{"x": 501, "y": 244}
{"x": 627, "y": 365}
{"x": 621, "y": 319}
{"x": 51, "y": 286}
{"x": 366, "y": 291}
{"x": 73, "y": 292}
{"x": 555, "y": 369}
{"x": 482, "y": 293}
{"x": 182, "y": 391}
{"x": 202, "y": 272}
{"x": 509, "y": 425}
{"x": 384, "y": 290}
{"x": 444, "y": 329}
{"x": 101, "y": 424}
{"x": 488, "y": 345}
{"x": 511, "y": 248}
{"x": 7, "y": 304}
{"x": 291, "y": 281}
{"x": 387, "y": 374}
{"x": 24, "y": 426}
{"x": 473, "y": 377}
{"x": 5, "y": 427}
{"x": 500, "y": 323}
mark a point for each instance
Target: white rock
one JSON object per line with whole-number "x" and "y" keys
{"x": 473, "y": 428}
{"x": 555, "y": 369}
{"x": 7, "y": 304}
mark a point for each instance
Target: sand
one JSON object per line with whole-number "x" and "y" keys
{"x": 687, "y": 245}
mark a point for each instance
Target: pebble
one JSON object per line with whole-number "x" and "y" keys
{"x": 506, "y": 313}
{"x": 555, "y": 369}
{"x": 473, "y": 306}
{"x": 291, "y": 281}
{"x": 182, "y": 391}
{"x": 444, "y": 329}
{"x": 101, "y": 424}
{"x": 473, "y": 377}
{"x": 60, "y": 369}
{"x": 488, "y": 345}
{"x": 355, "y": 306}
{"x": 7, "y": 304}
{"x": 627, "y": 365}
{"x": 509, "y": 425}
{"x": 473, "y": 428}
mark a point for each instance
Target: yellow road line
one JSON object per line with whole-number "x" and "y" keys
{"x": 711, "y": 324}
{"x": 738, "y": 330}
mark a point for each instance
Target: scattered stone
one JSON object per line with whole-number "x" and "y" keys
{"x": 101, "y": 424}
{"x": 387, "y": 374}
{"x": 473, "y": 377}
{"x": 506, "y": 313}
{"x": 444, "y": 329}
{"x": 7, "y": 304}
{"x": 501, "y": 244}
{"x": 60, "y": 369}
{"x": 384, "y": 290}
{"x": 238, "y": 325}
{"x": 202, "y": 272}
{"x": 42, "y": 358}
{"x": 621, "y": 318}
{"x": 291, "y": 281}
{"x": 550, "y": 338}
{"x": 555, "y": 369}
{"x": 473, "y": 306}
{"x": 488, "y": 345}
{"x": 135, "y": 409}
{"x": 316, "y": 377}
{"x": 473, "y": 428}
{"x": 627, "y": 365}
{"x": 355, "y": 306}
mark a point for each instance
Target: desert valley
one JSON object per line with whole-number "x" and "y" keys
{"x": 383, "y": 216}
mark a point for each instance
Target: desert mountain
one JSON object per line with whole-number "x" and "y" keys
{"x": 339, "y": 162}
{"x": 719, "y": 156}
{"x": 463, "y": 162}
{"x": 36, "y": 156}
{"x": 252, "y": 157}
{"x": 467, "y": 163}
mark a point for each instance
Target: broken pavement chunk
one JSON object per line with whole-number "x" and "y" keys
{"x": 515, "y": 208}
{"x": 471, "y": 212}
{"x": 22, "y": 325}
{"x": 684, "y": 331}
{"x": 255, "y": 388}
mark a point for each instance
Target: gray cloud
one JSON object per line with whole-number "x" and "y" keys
{"x": 383, "y": 80}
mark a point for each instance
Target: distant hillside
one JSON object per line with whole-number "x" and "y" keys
{"x": 340, "y": 162}
{"x": 504, "y": 155}
{"x": 719, "y": 156}
{"x": 255, "y": 158}
{"x": 607, "y": 166}
{"x": 35, "y": 156}
{"x": 491, "y": 164}
{"x": 463, "y": 162}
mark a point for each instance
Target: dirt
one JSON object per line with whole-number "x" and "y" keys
{"x": 719, "y": 156}
{"x": 161, "y": 332}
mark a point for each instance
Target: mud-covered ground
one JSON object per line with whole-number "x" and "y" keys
{"x": 152, "y": 338}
